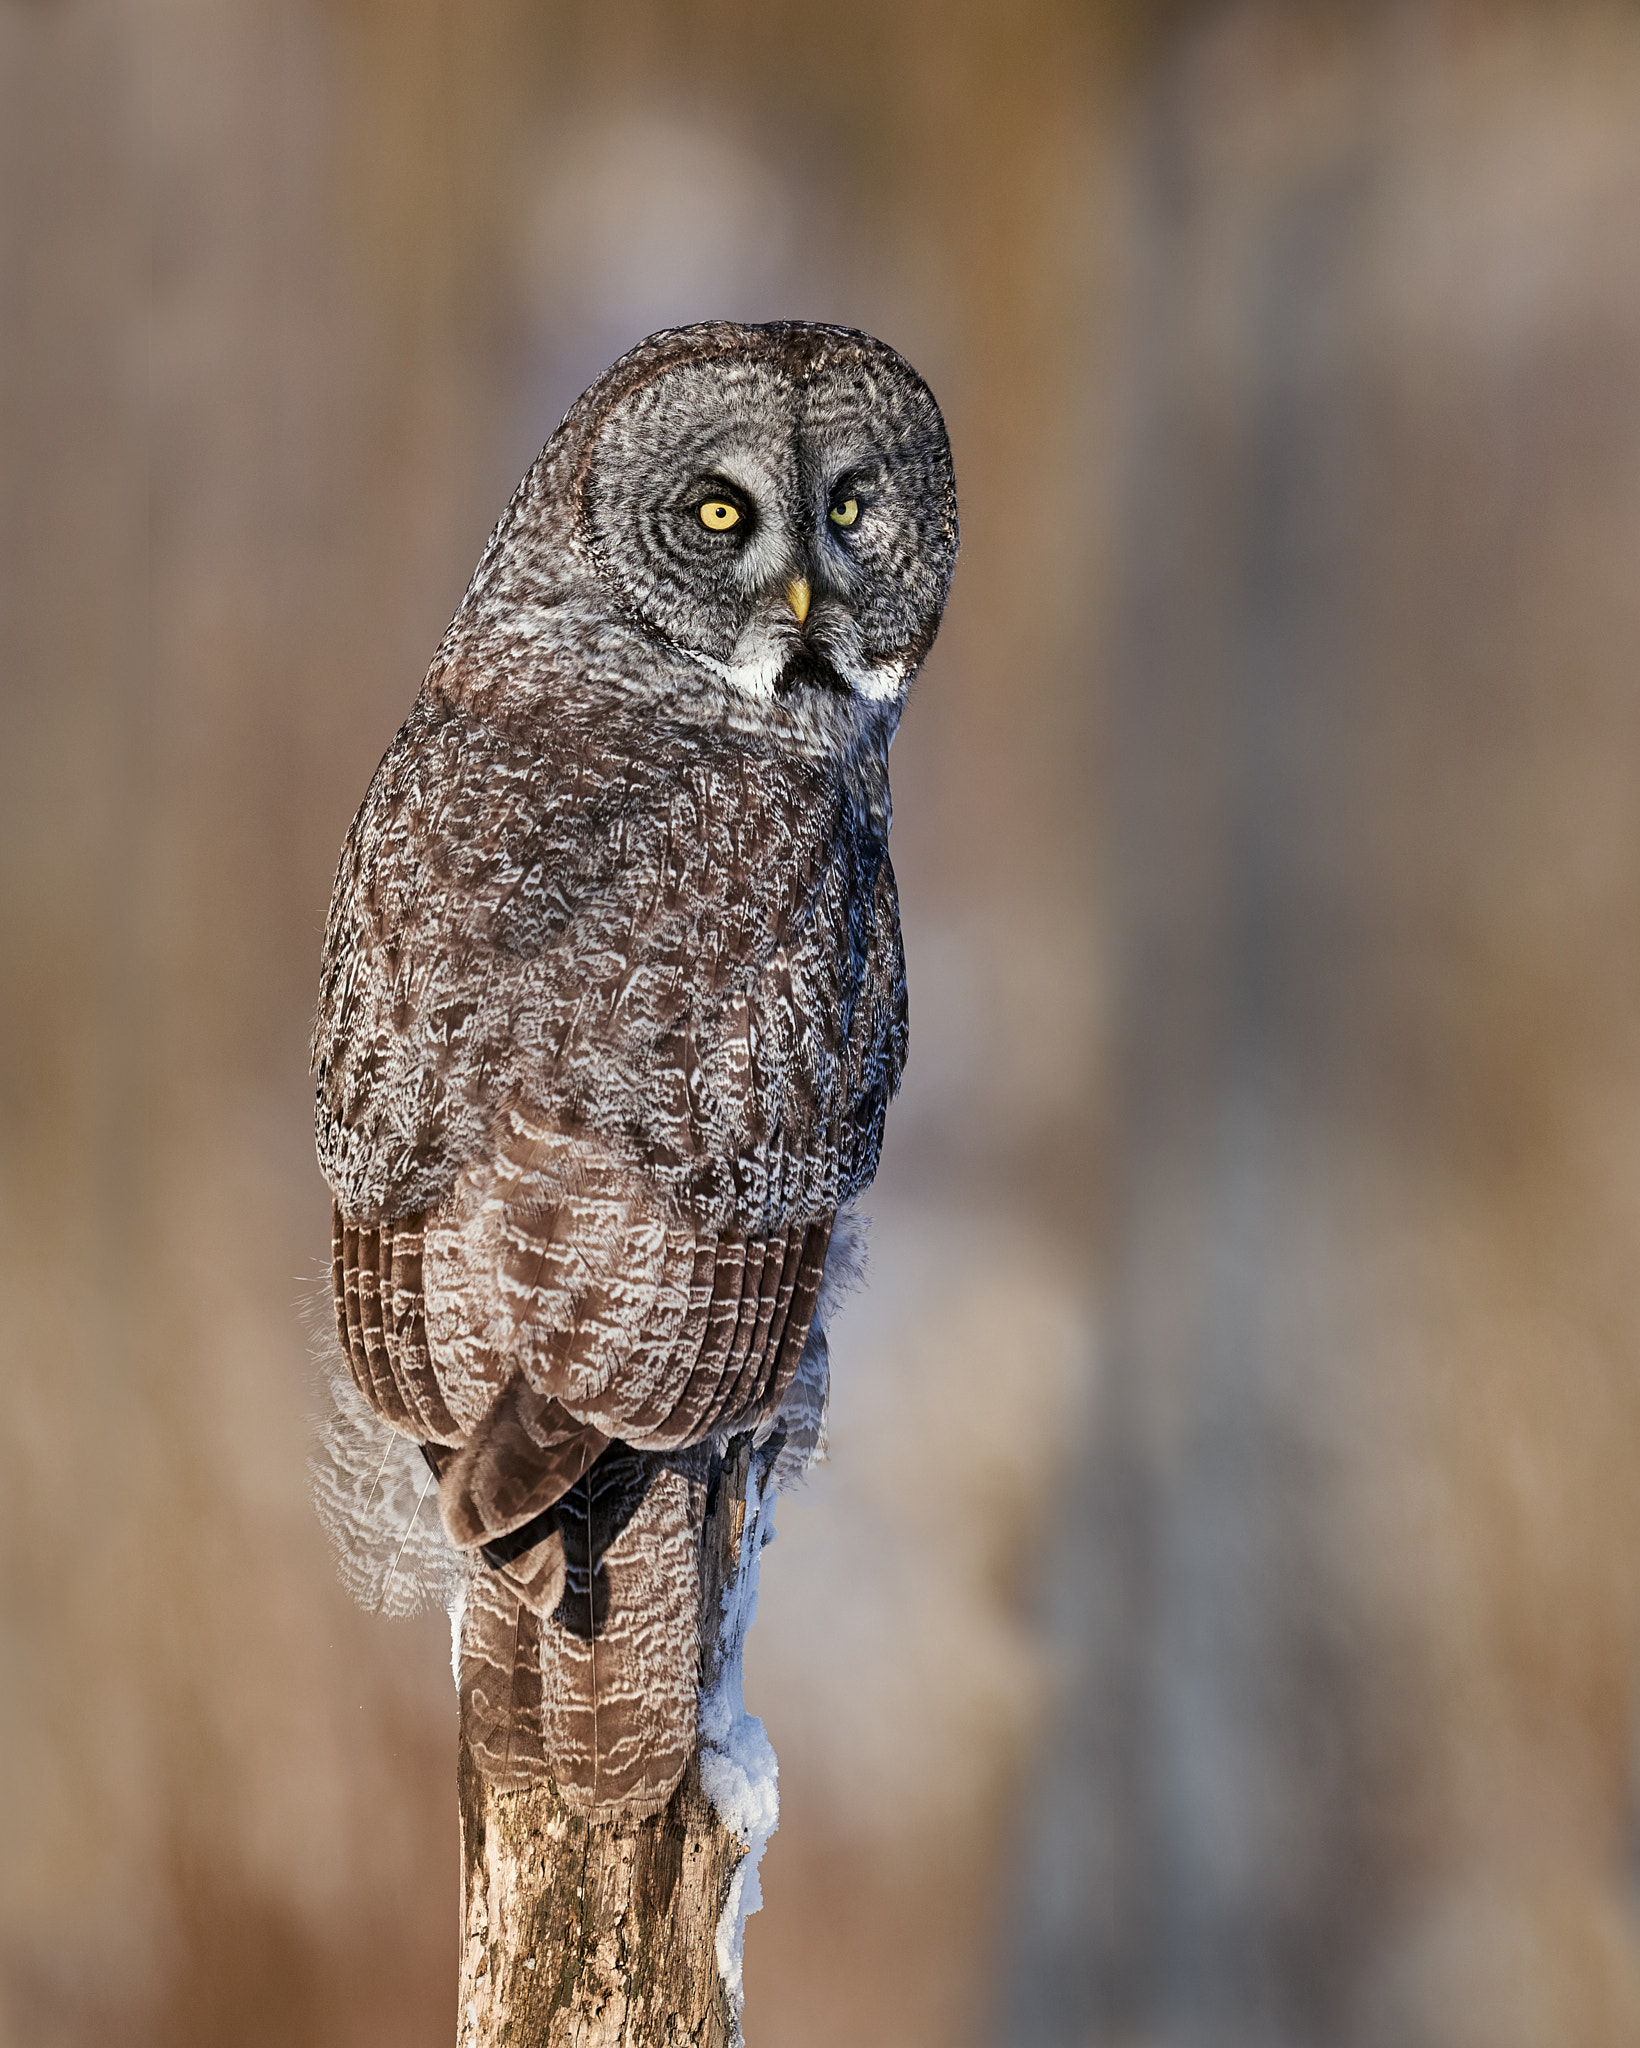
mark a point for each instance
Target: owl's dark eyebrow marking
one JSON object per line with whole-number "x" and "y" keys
{"x": 854, "y": 483}
{"x": 709, "y": 487}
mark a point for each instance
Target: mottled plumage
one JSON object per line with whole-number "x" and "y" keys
{"x": 613, "y": 1003}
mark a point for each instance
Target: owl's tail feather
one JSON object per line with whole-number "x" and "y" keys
{"x": 601, "y": 1694}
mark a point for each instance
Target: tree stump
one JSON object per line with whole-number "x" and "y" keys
{"x": 598, "y": 1932}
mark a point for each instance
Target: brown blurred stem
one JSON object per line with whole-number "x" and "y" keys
{"x": 605, "y": 1931}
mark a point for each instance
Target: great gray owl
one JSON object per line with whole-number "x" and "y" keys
{"x": 613, "y": 1003}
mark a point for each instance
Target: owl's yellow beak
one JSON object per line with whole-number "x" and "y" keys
{"x": 797, "y": 596}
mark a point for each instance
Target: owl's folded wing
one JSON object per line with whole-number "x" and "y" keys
{"x": 528, "y": 1325}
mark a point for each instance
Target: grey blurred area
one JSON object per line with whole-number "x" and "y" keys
{"x": 1217, "y": 1624}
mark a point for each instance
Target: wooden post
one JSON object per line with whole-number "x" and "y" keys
{"x": 598, "y": 1932}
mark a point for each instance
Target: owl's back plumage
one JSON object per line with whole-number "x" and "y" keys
{"x": 612, "y": 1006}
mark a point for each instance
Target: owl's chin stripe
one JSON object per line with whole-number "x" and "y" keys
{"x": 808, "y": 669}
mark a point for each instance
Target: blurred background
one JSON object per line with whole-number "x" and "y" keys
{"x": 1217, "y": 1626}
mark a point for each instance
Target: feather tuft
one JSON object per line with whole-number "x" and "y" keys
{"x": 802, "y": 1415}
{"x": 375, "y": 1496}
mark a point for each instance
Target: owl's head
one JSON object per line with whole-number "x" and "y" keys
{"x": 776, "y": 504}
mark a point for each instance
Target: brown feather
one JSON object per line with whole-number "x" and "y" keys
{"x": 527, "y": 1453}
{"x": 405, "y": 1323}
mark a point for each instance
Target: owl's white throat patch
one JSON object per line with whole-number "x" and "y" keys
{"x": 760, "y": 659}
{"x": 774, "y": 663}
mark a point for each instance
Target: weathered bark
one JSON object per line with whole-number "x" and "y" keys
{"x": 598, "y": 1932}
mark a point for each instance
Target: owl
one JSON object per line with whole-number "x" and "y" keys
{"x": 613, "y": 1003}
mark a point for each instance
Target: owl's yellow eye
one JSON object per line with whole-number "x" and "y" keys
{"x": 719, "y": 515}
{"x": 846, "y": 513}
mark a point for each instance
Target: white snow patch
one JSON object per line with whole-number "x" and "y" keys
{"x": 738, "y": 1770}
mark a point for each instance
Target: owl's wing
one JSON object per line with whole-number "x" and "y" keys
{"x": 598, "y": 1327}
{"x": 618, "y": 1341}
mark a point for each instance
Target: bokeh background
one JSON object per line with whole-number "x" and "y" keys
{"x": 1218, "y": 1624}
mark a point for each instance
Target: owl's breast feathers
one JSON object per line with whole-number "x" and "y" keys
{"x": 608, "y": 1025}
